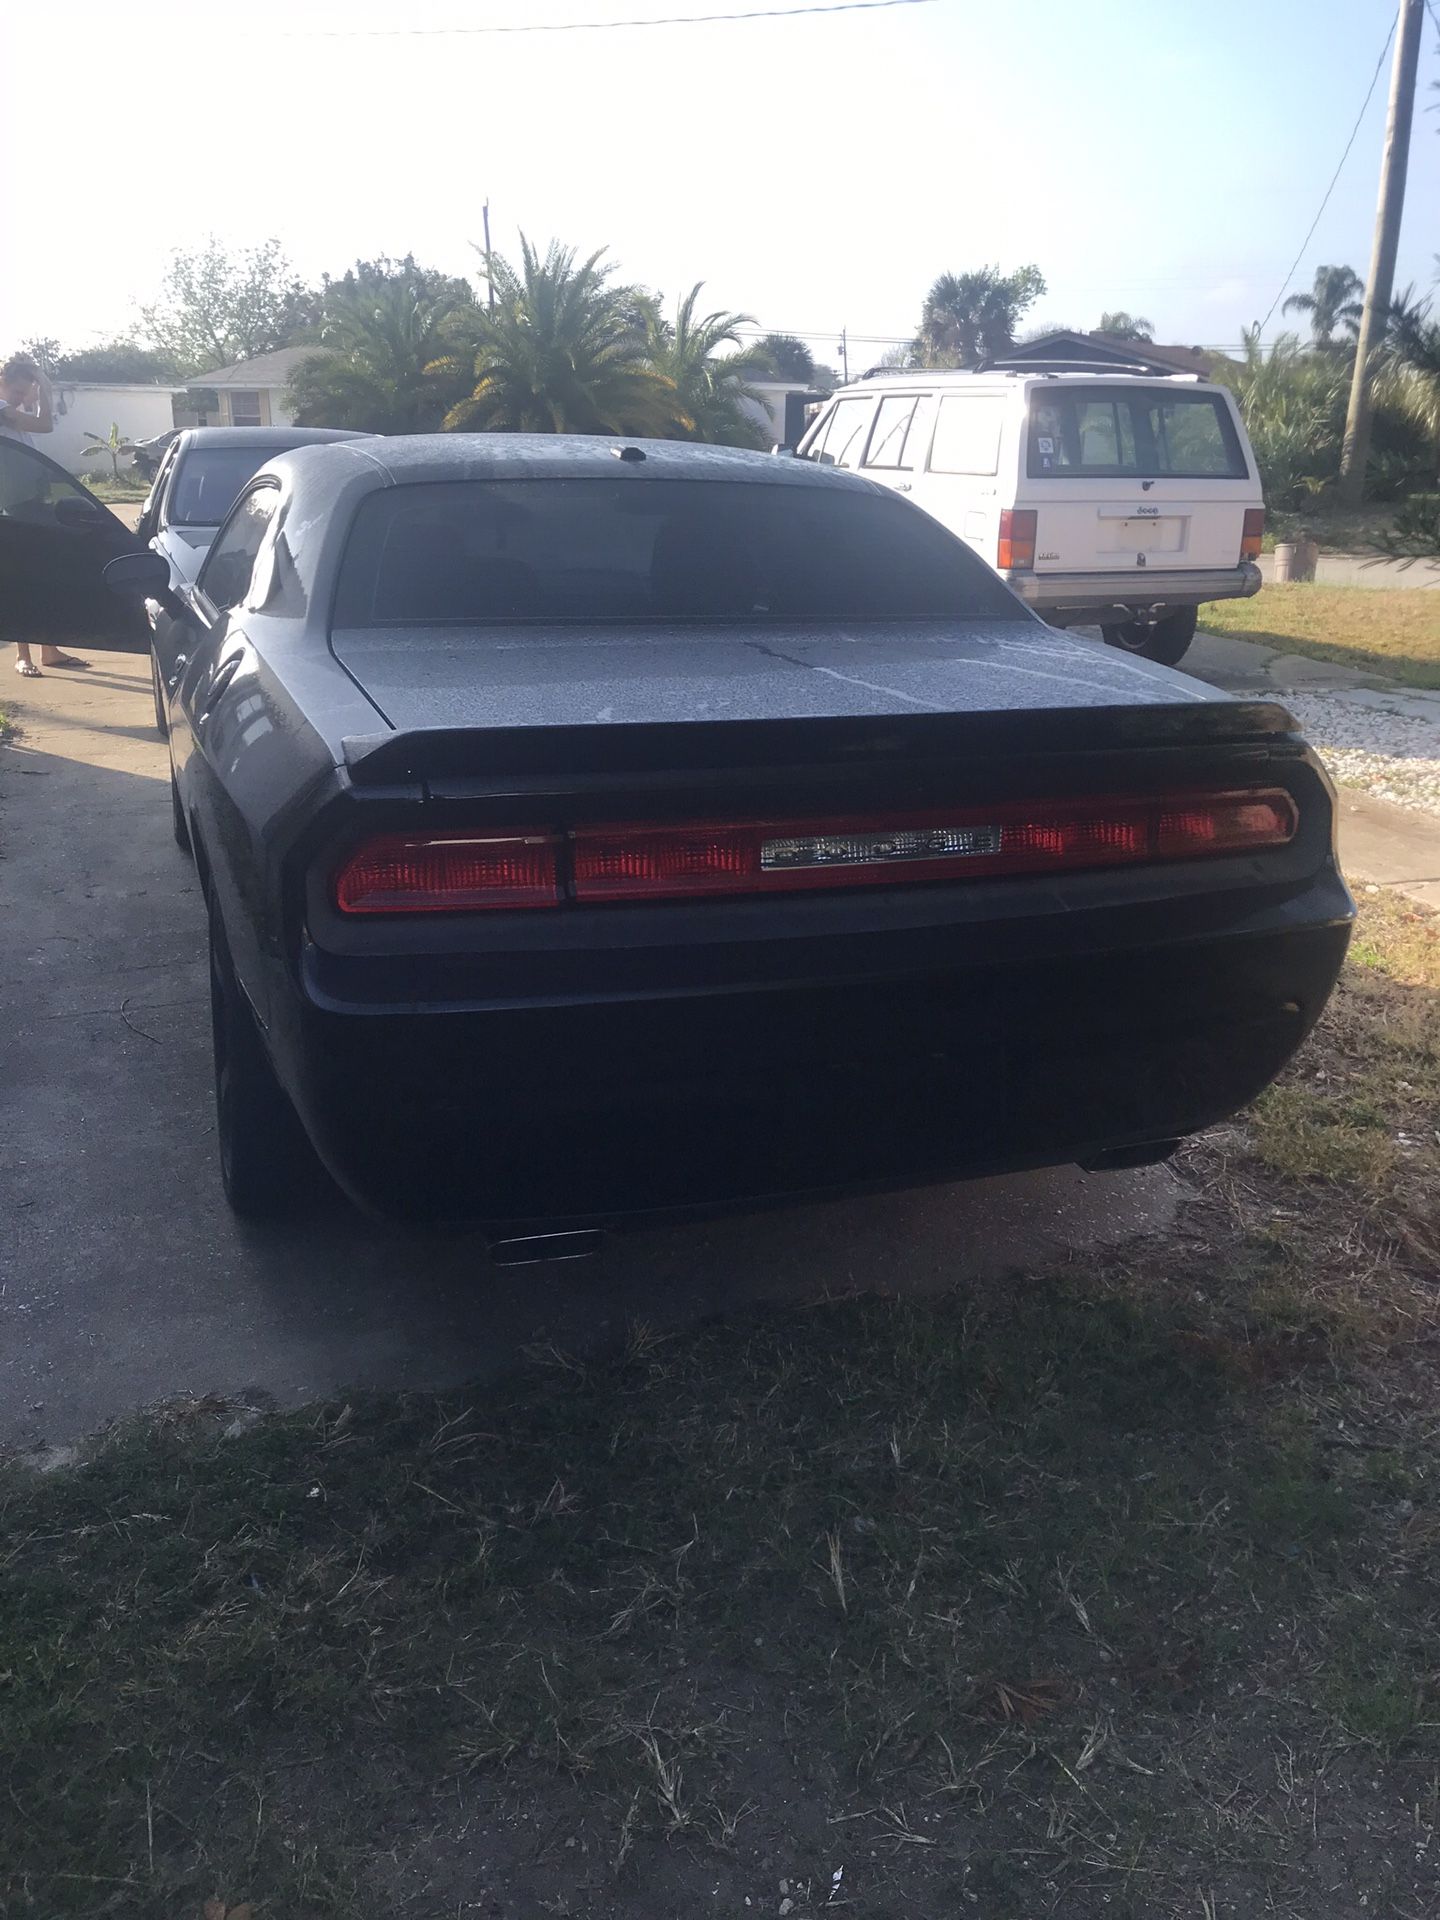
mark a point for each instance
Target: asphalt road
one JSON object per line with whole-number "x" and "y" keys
{"x": 123, "y": 1278}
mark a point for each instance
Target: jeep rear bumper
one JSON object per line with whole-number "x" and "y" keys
{"x": 1133, "y": 592}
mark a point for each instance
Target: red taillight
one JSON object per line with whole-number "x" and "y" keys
{"x": 470, "y": 873}
{"x": 1017, "y": 538}
{"x": 658, "y": 863}
{"x": 450, "y": 873}
{"x": 1252, "y": 534}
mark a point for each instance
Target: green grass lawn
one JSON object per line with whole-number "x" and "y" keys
{"x": 1394, "y": 631}
{"x": 107, "y": 488}
{"x": 1107, "y": 1593}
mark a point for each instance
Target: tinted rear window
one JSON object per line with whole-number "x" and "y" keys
{"x": 637, "y": 549}
{"x": 208, "y": 481}
{"x": 1150, "y": 433}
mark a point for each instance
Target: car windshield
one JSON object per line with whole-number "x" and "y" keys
{"x": 638, "y": 549}
{"x": 1150, "y": 433}
{"x": 208, "y": 480}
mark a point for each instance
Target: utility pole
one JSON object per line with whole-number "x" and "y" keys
{"x": 844, "y": 359}
{"x": 1394, "y": 160}
{"x": 489, "y": 284}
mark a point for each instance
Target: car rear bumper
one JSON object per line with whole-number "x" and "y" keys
{"x": 585, "y": 1112}
{"x": 1157, "y": 587}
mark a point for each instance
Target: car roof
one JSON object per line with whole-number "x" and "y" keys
{"x": 901, "y": 379}
{"x": 280, "y": 437}
{"x": 413, "y": 459}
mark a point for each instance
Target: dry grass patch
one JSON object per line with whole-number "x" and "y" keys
{"x": 1109, "y": 1592}
{"x": 1390, "y": 631}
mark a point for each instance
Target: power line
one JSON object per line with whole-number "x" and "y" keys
{"x": 1333, "y": 178}
{"x": 594, "y": 26}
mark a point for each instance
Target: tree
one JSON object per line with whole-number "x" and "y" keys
{"x": 1408, "y": 377}
{"x": 45, "y": 352}
{"x": 564, "y": 351}
{"x": 113, "y": 444}
{"x": 218, "y": 307}
{"x": 384, "y": 329}
{"x": 1293, "y": 403}
{"x": 710, "y": 386}
{"x": 1126, "y": 326}
{"x": 786, "y": 358}
{"x": 971, "y": 317}
{"x": 122, "y": 358}
{"x": 1335, "y": 298}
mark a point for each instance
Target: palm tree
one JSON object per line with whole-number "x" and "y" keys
{"x": 379, "y": 338}
{"x": 112, "y": 445}
{"x": 1126, "y": 326}
{"x": 787, "y": 358}
{"x": 970, "y": 317}
{"x": 1408, "y": 373}
{"x": 1293, "y": 403}
{"x": 564, "y": 351}
{"x": 1334, "y": 299}
{"x": 709, "y": 385}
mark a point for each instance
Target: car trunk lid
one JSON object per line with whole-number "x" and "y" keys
{"x": 519, "y": 676}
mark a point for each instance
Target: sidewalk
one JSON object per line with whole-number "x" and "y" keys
{"x": 1381, "y": 843}
{"x": 1362, "y": 570}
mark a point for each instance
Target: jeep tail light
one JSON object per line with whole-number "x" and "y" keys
{"x": 450, "y": 873}
{"x": 1252, "y": 534}
{"x": 1017, "y": 538}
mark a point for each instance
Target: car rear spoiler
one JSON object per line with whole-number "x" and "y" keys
{"x": 467, "y": 753}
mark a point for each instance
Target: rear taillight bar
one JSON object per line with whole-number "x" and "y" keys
{"x": 450, "y": 873}
{"x": 1252, "y": 533}
{"x": 476, "y": 872}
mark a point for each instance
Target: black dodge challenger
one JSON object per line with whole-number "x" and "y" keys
{"x": 592, "y": 830}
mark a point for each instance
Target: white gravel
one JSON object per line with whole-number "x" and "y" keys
{"x": 1386, "y": 743}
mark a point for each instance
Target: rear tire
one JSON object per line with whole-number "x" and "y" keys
{"x": 267, "y": 1165}
{"x": 157, "y": 689}
{"x": 1165, "y": 641}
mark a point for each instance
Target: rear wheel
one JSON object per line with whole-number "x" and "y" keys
{"x": 1164, "y": 640}
{"x": 157, "y": 689}
{"x": 266, "y": 1163}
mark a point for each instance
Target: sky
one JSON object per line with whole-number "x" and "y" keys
{"x": 816, "y": 172}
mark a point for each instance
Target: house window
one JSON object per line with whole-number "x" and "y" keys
{"x": 245, "y": 409}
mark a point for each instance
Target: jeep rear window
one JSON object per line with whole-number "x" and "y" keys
{"x": 1148, "y": 433}
{"x": 633, "y": 550}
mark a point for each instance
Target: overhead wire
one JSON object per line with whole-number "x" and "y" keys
{"x": 596, "y": 26}
{"x": 1364, "y": 104}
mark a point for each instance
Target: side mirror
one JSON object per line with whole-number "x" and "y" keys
{"x": 73, "y": 512}
{"x": 141, "y": 575}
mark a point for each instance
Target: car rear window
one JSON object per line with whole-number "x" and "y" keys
{"x": 638, "y": 549}
{"x": 208, "y": 480}
{"x": 1150, "y": 433}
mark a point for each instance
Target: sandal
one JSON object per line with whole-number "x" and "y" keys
{"x": 66, "y": 660}
{"x": 28, "y": 670}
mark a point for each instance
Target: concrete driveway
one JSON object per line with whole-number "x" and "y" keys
{"x": 123, "y": 1278}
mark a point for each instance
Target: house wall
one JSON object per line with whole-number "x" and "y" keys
{"x": 140, "y": 411}
{"x": 767, "y": 409}
{"x": 273, "y": 411}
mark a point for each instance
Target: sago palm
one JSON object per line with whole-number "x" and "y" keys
{"x": 565, "y": 350}
{"x": 709, "y": 385}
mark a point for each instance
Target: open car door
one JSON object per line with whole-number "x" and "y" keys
{"x": 56, "y": 540}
